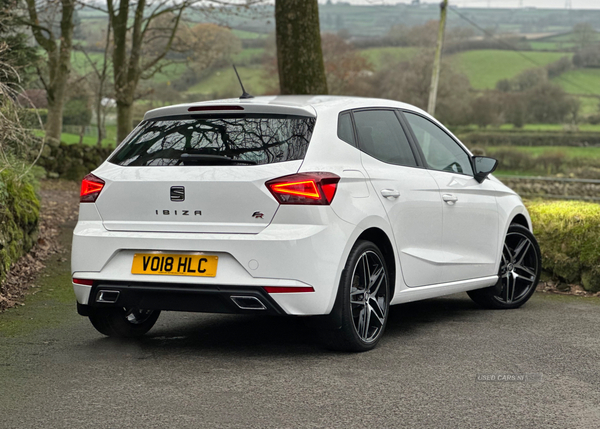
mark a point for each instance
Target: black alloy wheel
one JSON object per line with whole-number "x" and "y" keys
{"x": 364, "y": 299}
{"x": 121, "y": 322}
{"x": 519, "y": 272}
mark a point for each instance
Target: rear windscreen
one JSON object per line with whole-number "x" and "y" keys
{"x": 224, "y": 140}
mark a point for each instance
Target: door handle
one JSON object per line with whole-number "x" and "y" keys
{"x": 390, "y": 193}
{"x": 449, "y": 198}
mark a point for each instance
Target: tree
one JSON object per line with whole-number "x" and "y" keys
{"x": 299, "y": 53}
{"x": 58, "y": 50}
{"x": 549, "y": 103}
{"x": 344, "y": 66}
{"x": 583, "y": 34}
{"x": 98, "y": 80}
{"x": 409, "y": 82}
{"x": 128, "y": 65}
{"x": 16, "y": 54}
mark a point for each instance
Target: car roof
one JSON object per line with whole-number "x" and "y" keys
{"x": 303, "y": 105}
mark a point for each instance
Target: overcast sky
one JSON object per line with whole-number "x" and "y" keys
{"x": 546, "y": 4}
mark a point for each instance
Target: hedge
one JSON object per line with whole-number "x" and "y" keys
{"x": 530, "y": 139}
{"x": 19, "y": 215}
{"x": 569, "y": 237}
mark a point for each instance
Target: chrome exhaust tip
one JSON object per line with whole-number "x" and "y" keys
{"x": 248, "y": 302}
{"x": 107, "y": 296}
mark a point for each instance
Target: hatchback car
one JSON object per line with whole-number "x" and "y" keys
{"x": 296, "y": 206}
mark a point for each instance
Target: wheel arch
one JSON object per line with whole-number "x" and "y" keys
{"x": 376, "y": 234}
{"x": 518, "y": 215}
{"x": 381, "y": 240}
{"x": 520, "y": 219}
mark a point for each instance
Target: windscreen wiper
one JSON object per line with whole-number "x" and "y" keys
{"x": 213, "y": 159}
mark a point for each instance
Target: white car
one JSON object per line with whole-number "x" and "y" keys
{"x": 298, "y": 206}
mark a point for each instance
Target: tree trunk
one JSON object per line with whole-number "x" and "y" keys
{"x": 99, "y": 121}
{"x": 124, "y": 120}
{"x": 81, "y": 134}
{"x": 55, "y": 120}
{"x": 59, "y": 62}
{"x": 299, "y": 54}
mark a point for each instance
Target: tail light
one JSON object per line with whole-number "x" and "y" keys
{"x": 304, "y": 188}
{"x": 83, "y": 282}
{"x": 90, "y": 189}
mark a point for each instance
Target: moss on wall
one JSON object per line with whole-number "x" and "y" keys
{"x": 19, "y": 215}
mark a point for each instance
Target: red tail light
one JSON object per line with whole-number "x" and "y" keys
{"x": 304, "y": 188}
{"x": 90, "y": 189}
{"x": 83, "y": 282}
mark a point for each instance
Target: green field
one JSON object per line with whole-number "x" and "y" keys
{"x": 551, "y": 46}
{"x": 589, "y": 105}
{"x": 379, "y": 57}
{"x": 249, "y": 54}
{"x": 68, "y": 138}
{"x": 223, "y": 82}
{"x": 248, "y": 34}
{"x": 486, "y": 67}
{"x": 580, "y": 81}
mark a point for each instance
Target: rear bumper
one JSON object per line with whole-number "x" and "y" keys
{"x": 285, "y": 254}
{"x": 180, "y": 297}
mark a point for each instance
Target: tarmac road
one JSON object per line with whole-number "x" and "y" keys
{"x": 441, "y": 363}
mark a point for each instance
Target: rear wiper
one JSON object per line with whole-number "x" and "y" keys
{"x": 214, "y": 159}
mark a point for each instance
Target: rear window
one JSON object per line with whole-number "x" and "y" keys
{"x": 223, "y": 140}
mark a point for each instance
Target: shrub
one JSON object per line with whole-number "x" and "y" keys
{"x": 19, "y": 214}
{"x": 77, "y": 112}
{"x": 30, "y": 118}
{"x": 513, "y": 159}
{"x": 569, "y": 237}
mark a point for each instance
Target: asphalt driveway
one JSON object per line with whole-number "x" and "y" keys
{"x": 442, "y": 363}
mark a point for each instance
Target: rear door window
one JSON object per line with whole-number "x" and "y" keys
{"x": 381, "y": 136}
{"x": 345, "y": 130}
{"x": 224, "y": 140}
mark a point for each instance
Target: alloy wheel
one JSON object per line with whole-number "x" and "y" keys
{"x": 368, "y": 296}
{"x": 518, "y": 269}
{"x": 137, "y": 316}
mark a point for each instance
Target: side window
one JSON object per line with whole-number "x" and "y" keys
{"x": 381, "y": 136}
{"x": 441, "y": 152}
{"x": 345, "y": 131}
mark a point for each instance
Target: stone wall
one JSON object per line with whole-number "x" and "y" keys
{"x": 554, "y": 187}
{"x": 579, "y": 139}
{"x": 72, "y": 161}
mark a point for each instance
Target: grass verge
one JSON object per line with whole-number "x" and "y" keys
{"x": 50, "y": 302}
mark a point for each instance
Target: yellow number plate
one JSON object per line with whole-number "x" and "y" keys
{"x": 175, "y": 265}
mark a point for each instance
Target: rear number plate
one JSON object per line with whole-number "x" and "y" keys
{"x": 175, "y": 265}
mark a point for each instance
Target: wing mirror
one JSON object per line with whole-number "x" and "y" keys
{"x": 483, "y": 166}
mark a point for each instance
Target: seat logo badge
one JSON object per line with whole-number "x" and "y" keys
{"x": 177, "y": 193}
{"x": 258, "y": 215}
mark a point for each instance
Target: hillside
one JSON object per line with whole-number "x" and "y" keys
{"x": 486, "y": 67}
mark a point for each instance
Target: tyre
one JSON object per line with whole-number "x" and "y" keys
{"x": 363, "y": 299}
{"x": 123, "y": 322}
{"x": 518, "y": 275}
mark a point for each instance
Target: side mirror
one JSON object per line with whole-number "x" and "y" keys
{"x": 483, "y": 167}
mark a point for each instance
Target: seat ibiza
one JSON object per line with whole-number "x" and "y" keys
{"x": 295, "y": 206}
